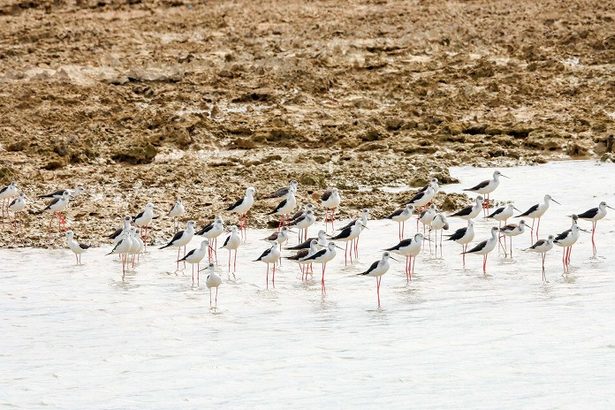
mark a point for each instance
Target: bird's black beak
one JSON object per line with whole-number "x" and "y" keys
{"x": 555, "y": 201}
{"x": 396, "y": 260}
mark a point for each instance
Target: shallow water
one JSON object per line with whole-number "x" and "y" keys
{"x": 79, "y": 337}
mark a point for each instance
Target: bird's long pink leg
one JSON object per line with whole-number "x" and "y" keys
{"x": 229, "y": 261}
{"x": 511, "y": 248}
{"x": 485, "y": 264}
{"x": 235, "y": 262}
{"x": 322, "y": 279}
{"x": 345, "y": 254}
{"x": 593, "y": 234}
{"x": 273, "y": 276}
{"x": 216, "y": 299}
{"x": 210, "y": 298}
{"x": 378, "y": 289}
{"x": 532, "y": 232}
{"x": 267, "y": 276}
{"x": 537, "y": 228}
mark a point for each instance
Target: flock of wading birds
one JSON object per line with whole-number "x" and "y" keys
{"x": 129, "y": 241}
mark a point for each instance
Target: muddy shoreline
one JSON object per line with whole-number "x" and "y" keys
{"x": 145, "y": 101}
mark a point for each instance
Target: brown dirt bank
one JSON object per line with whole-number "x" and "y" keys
{"x": 201, "y": 99}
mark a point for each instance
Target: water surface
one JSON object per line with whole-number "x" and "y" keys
{"x": 77, "y": 337}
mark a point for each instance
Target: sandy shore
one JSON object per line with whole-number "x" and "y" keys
{"x": 143, "y": 101}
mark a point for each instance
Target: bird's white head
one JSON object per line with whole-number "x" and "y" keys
{"x": 79, "y": 190}
{"x": 250, "y": 191}
{"x": 494, "y": 230}
{"x": 550, "y": 198}
{"x": 498, "y": 174}
{"x": 322, "y": 234}
{"x": 149, "y": 205}
{"x": 550, "y": 238}
{"x": 191, "y": 224}
{"x": 234, "y": 228}
{"x": 409, "y": 208}
{"x": 70, "y": 234}
{"x": 313, "y": 243}
{"x": 418, "y": 237}
{"x": 204, "y": 243}
{"x": 479, "y": 199}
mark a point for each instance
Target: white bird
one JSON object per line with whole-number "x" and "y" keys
{"x": 463, "y": 236}
{"x": 242, "y": 206}
{"x": 348, "y": 235}
{"x": 512, "y": 230}
{"x": 566, "y": 239}
{"x": 212, "y": 231}
{"x": 17, "y": 205}
{"x": 323, "y": 256}
{"x": 377, "y": 269}
{"x": 471, "y": 211}
{"x": 76, "y": 247}
{"x": 536, "y": 212}
{"x": 439, "y": 223}
{"x": 303, "y": 222}
{"x": 400, "y": 216}
{"x": 285, "y": 207}
{"x": 426, "y": 218}
{"x": 279, "y": 237}
{"x": 213, "y": 280}
{"x": 119, "y": 231}
{"x": 144, "y": 218}
{"x": 503, "y": 213}
{"x": 330, "y": 201}
{"x": 363, "y": 219}
{"x": 57, "y": 206}
{"x": 487, "y": 187}
{"x": 485, "y": 247}
{"x": 181, "y": 239}
{"x": 410, "y": 248}
{"x": 282, "y": 192}
{"x": 232, "y": 243}
{"x": 121, "y": 248}
{"x": 594, "y": 215}
{"x": 321, "y": 241}
{"x": 541, "y": 247}
{"x": 194, "y": 257}
{"x": 305, "y": 266}
{"x": 423, "y": 197}
{"x": 57, "y": 194}
{"x": 270, "y": 256}
{"x": 177, "y": 211}
{"x": 137, "y": 246}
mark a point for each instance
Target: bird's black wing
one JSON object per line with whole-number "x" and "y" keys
{"x": 562, "y": 235}
{"x": 463, "y": 212}
{"x": 424, "y": 188}
{"x": 235, "y": 205}
{"x": 589, "y": 214}
{"x": 303, "y": 245}
{"x": 13, "y": 202}
{"x": 53, "y": 194}
{"x": 84, "y": 246}
{"x": 186, "y": 255}
{"x": 371, "y": 268}
{"x": 277, "y": 208}
{"x": 349, "y": 225}
{"x": 205, "y": 229}
{"x": 478, "y": 186}
{"x": 228, "y": 238}
{"x": 395, "y": 213}
{"x": 295, "y": 221}
{"x": 175, "y": 238}
{"x": 299, "y": 255}
{"x": 496, "y": 212}
{"x": 458, "y": 234}
{"x": 316, "y": 255}
{"x": 278, "y": 194}
{"x": 4, "y": 188}
{"x": 529, "y": 211}
{"x": 272, "y": 237}
{"x": 267, "y": 252}
{"x": 345, "y": 233}
{"x": 53, "y": 202}
{"x": 401, "y": 244}
{"x": 326, "y": 195}
{"x": 478, "y": 247}
{"x": 417, "y": 197}
{"x": 537, "y": 244}
{"x": 297, "y": 215}
{"x": 138, "y": 216}
{"x": 116, "y": 233}
{"x": 508, "y": 227}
